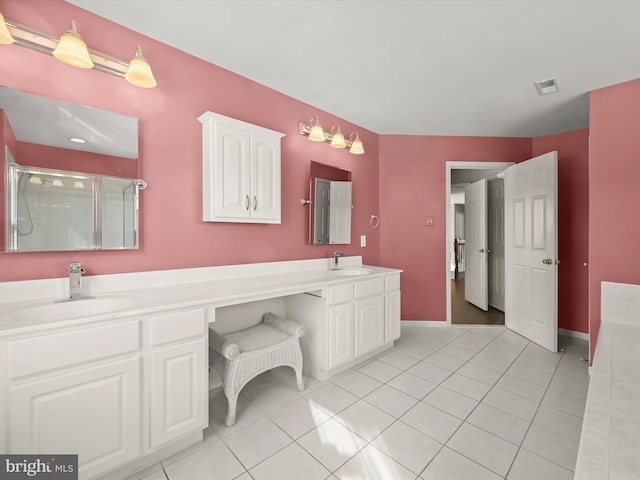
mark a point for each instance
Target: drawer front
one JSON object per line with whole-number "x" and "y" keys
{"x": 341, "y": 293}
{"x": 176, "y": 326}
{"x": 368, "y": 288}
{"x": 392, "y": 283}
{"x": 53, "y": 350}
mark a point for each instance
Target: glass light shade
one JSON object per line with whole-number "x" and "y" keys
{"x": 139, "y": 72}
{"x": 5, "y": 35}
{"x": 57, "y": 183}
{"x": 356, "y": 145}
{"x": 338, "y": 138}
{"x": 72, "y": 50}
{"x": 316, "y": 134}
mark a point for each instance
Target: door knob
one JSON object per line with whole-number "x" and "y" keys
{"x": 547, "y": 261}
{"x": 481, "y": 250}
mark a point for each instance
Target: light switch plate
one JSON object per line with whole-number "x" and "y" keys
{"x": 363, "y": 240}
{"x": 429, "y": 221}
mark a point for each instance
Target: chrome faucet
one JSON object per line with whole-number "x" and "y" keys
{"x": 336, "y": 255}
{"x": 75, "y": 280}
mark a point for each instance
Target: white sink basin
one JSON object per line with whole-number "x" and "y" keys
{"x": 52, "y": 311}
{"x": 352, "y": 272}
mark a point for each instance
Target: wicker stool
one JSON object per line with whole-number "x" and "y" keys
{"x": 240, "y": 356}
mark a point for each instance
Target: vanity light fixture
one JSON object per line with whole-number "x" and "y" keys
{"x": 139, "y": 72}
{"x": 356, "y": 144}
{"x": 336, "y": 139}
{"x": 56, "y": 182}
{"x": 316, "y": 134}
{"x": 71, "y": 49}
{"x": 5, "y": 35}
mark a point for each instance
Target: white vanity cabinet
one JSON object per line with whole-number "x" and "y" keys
{"x": 240, "y": 171}
{"x": 348, "y": 323}
{"x": 78, "y": 392}
{"x": 109, "y": 391}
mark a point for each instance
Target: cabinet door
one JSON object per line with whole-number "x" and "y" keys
{"x": 265, "y": 178}
{"x": 340, "y": 342}
{"x": 392, "y": 316}
{"x": 179, "y": 389}
{"x": 369, "y": 324}
{"x": 230, "y": 173}
{"x": 94, "y": 413}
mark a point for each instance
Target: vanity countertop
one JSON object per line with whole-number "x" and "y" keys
{"x": 146, "y": 292}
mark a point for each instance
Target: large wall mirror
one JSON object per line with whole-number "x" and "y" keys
{"x": 70, "y": 176}
{"x": 330, "y": 209}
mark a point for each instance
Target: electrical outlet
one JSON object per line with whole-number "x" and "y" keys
{"x": 363, "y": 240}
{"x": 429, "y": 221}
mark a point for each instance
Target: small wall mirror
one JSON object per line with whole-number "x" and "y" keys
{"x": 330, "y": 209}
{"x": 70, "y": 175}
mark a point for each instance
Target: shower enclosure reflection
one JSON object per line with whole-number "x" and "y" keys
{"x": 57, "y": 210}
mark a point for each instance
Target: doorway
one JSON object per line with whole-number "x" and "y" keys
{"x": 460, "y": 311}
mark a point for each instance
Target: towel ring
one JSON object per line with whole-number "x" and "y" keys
{"x": 374, "y": 221}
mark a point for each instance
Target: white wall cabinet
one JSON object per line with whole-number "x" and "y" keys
{"x": 240, "y": 171}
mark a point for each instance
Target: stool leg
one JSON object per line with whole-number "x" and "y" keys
{"x": 299, "y": 379}
{"x": 231, "y": 412}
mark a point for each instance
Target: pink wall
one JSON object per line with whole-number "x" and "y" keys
{"x": 573, "y": 224}
{"x": 614, "y": 170}
{"x": 412, "y": 186}
{"x": 172, "y": 232}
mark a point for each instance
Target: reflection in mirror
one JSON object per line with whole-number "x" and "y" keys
{"x": 58, "y": 142}
{"x": 55, "y": 210}
{"x": 330, "y": 212}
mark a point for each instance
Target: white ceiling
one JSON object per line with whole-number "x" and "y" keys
{"x": 410, "y": 66}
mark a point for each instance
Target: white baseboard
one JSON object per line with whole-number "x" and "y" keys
{"x": 573, "y": 334}
{"x": 424, "y": 323}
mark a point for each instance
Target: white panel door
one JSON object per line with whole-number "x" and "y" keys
{"x": 531, "y": 249}
{"x": 265, "y": 177}
{"x": 179, "y": 389}
{"x": 495, "y": 190}
{"x": 232, "y": 172}
{"x": 475, "y": 227}
{"x": 94, "y": 413}
{"x": 340, "y": 212}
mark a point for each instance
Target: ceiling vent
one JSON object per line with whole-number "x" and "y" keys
{"x": 547, "y": 86}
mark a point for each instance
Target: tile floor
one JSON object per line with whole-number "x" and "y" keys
{"x": 444, "y": 403}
